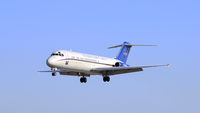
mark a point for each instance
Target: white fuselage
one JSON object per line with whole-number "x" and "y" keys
{"x": 78, "y": 62}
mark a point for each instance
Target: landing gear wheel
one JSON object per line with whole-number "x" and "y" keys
{"x": 106, "y": 79}
{"x": 83, "y": 79}
{"x": 53, "y": 74}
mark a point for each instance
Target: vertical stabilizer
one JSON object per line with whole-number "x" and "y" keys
{"x": 124, "y": 52}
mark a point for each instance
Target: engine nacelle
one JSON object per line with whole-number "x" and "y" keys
{"x": 118, "y": 64}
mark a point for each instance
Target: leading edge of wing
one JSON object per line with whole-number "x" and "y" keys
{"x": 153, "y": 66}
{"x": 121, "y": 68}
{"x": 51, "y": 71}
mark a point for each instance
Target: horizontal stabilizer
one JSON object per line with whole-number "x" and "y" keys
{"x": 130, "y": 45}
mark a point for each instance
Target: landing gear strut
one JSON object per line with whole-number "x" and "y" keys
{"x": 83, "y": 79}
{"x": 54, "y": 73}
{"x": 106, "y": 79}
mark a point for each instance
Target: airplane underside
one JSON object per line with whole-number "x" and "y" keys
{"x": 83, "y": 76}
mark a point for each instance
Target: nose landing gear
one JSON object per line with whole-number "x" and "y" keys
{"x": 54, "y": 73}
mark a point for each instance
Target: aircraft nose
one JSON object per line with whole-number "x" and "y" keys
{"x": 50, "y": 62}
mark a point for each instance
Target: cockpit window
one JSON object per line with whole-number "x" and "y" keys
{"x": 57, "y": 54}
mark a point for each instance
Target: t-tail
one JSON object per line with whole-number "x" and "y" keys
{"x": 125, "y": 50}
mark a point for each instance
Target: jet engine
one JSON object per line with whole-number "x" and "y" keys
{"x": 118, "y": 64}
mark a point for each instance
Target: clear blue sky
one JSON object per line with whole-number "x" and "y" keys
{"x": 31, "y": 29}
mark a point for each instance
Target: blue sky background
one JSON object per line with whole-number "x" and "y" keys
{"x": 31, "y": 30}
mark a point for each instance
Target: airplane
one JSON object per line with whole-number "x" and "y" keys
{"x": 84, "y": 65}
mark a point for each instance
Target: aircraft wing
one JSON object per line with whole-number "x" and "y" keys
{"x": 52, "y": 71}
{"x": 121, "y": 70}
{"x": 65, "y": 72}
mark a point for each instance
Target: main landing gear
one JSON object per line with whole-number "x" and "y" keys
{"x": 54, "y": 74}
{"x": 83, "y": 79}
{"x": 106, "y": 79}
